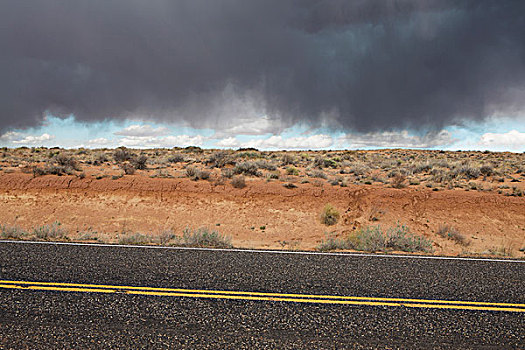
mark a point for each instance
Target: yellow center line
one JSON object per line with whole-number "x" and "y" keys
{"x": 261, "y": 296}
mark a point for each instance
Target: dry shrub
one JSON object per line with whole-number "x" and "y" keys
{"x": 197, "y": 174}
{"x": 227, "y": 173}
{"x": 128, "y": 168}
{"x": 398, "y": 181}
{"x": 66, "y": 161}
{"x": 176, "y": 158}
{"x": 329, "y": 215}
{"x": 247, "y": 168}
{"x": 317, "y": 174}
{"x": 452, "y": 233}
{"x": 238, "y": 181}
{"x": 139, "y": 162}
{"x": 122, "y": 154}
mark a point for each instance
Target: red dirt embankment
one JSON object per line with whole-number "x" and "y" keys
{"x": 262, "y": 215}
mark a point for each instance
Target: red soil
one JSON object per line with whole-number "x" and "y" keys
{"x": 262, "y": 215}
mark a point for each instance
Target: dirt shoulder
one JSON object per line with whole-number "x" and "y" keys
{"x": 263, "y": 214}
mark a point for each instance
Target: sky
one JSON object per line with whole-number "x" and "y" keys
{"x": 269, "y": 74}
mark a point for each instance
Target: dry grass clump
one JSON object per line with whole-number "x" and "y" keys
{"x": 135, "y": 238}
{"x": 329, "y": 215}
{"x": 89, "y": 235}
{"x": 12, "y": 232}
{"x": 452, "y": 233}
{"x": 54, "y": 231}
{"x": 501, "y": 251}
{"x": 50, "y": 232}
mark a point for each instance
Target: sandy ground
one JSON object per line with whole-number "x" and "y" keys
{"x": 262, "y": 215}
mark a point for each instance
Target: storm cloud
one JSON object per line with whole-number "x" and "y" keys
{"x": 364, "y": 65}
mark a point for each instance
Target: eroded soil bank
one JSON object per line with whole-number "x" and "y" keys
{"x": 263, "y": 214}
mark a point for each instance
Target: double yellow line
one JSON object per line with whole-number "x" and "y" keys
{"x": 261, "y": 296}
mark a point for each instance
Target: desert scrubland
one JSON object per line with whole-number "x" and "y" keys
{"x": 446, "y": 203}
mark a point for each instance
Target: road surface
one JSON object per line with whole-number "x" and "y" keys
{"x": 88, "y": 296}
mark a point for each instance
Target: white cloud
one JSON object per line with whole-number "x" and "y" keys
{"x": 32, "y": 140}
{"x": 142, "y": 131}
{"x": 167, "y": 141}
{"x": 395, "y": 139}
{"x": 229, "y": 142}
{"x": 101, "y": 141}
{"x": 513, "y": 139}
{"x": 278, "y": 142}
{"x": 10, "y": 136}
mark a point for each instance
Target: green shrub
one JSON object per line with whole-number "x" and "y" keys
{"x": 292, "y": 171}
{"x": 202, "y": 237}
{"x": 333, "y": 243}
{"x": 400, "y": 238}
{"x": 329, "y": 215}
{"x": 372, "y": 238}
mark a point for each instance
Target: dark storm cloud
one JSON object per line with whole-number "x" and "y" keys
{"x": 365, "y": 65}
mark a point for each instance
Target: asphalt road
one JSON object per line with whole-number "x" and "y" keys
{"x": 114, "y": 315}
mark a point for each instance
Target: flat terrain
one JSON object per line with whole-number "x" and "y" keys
{"x": 37, "y": 318}
{"x": 95, "y": 195}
